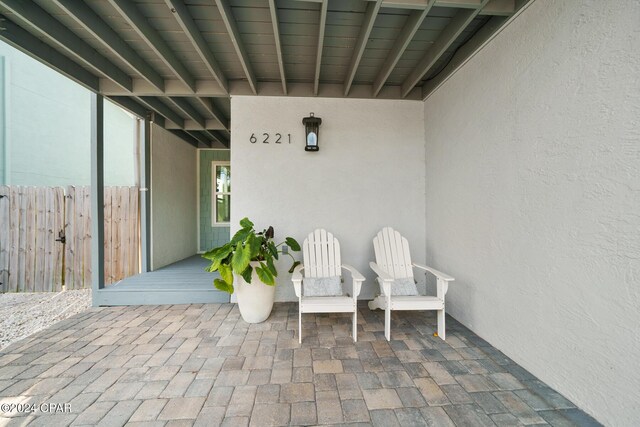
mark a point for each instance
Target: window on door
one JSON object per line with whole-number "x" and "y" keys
{"x": 221, "y": 193}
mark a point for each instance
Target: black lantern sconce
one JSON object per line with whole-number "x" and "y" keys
{"x": 312, "y": 130}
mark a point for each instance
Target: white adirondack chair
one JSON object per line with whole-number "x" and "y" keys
{"x": 321, "y": 259}
{"x": 393, "y": 261}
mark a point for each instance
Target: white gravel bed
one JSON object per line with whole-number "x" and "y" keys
{"x": 23, "y": 314}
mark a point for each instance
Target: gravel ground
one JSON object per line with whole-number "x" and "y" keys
{"x": 22, "y": 314}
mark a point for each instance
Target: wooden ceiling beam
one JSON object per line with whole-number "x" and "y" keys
{"x": 448, "y": 35}
{"x": 155, "y": 104}
{"x": 493, "y": 7}
{"x": 190, "y": 29}
{"x": 409, "y": 30}
{"x": 273, "y": 10}
{"x": 54, "y": 32}
{"x": 363, "y": 37}
{"x": 130, "y": 13}
{"x": 208, "y": 105}
{"x": 323, "y": 23}
{"x": 182, "y": 104}
{"x": 464, "y": 54}
{"x": 232, "y": 29}
{"x": 26, "y": 42}
{"x": 98, "y": 28}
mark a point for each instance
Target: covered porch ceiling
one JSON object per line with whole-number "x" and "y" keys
{"x": 183, "y": 59}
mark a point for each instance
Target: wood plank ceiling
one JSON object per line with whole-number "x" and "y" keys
{"x": 183, "y": 59}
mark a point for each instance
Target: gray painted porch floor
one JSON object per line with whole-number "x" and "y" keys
{"x": 182, "y": 282}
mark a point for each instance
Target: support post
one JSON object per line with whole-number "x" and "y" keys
{"x": 145, "y": 195}
{"x": 97, "y": 196}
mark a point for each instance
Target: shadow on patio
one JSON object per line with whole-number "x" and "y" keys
{"x": 203, "y": 365}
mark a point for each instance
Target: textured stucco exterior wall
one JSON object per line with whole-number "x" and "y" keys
{"x": 47, "y": 128}
{"x": 369, "y": 173}
{"x": 533, "y": 198}
{"x": 174, "y": 207}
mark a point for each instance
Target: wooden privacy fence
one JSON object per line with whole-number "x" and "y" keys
{"x": 45, "y": 237}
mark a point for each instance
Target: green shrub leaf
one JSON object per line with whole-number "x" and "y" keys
{"x": 223, "y": 286}
{"x": 265, "y": 275}
{"x": 241, "y": 258}
{"x": 254, "y": 244}
{"x": 271, "y": 266}
{"x": 292, "y": 243}
{"x": 272, "y": 248}
{"x": 247, "y": 274}
{"x": 293, "y": 267}
{"x": 245, "y": 223}
{"x": 226, "y": 273}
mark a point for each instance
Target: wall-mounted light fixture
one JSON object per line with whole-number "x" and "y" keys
{"x": 312, "y": 130}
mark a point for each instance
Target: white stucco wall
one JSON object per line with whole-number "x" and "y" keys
{"x": 533, "y": 198}
{"x": 173, "y": 199}
{"x": 369, "y": 173}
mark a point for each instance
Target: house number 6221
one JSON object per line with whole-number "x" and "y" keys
{"x": 265, "y": 138}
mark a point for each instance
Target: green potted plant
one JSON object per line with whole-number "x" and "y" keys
{"x": 247, "y": 268}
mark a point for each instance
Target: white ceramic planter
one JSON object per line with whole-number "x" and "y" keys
{"x": 255, "y": 299}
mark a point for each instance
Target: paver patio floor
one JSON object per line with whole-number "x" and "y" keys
{"x": 202, "y": 365}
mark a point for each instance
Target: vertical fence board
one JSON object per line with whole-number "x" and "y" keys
{"x": 133, "y": 231}
{"x": 108, "y": 271}
{"x": 79, "y": 237}
{"x": 49, "y": 239}
{"x": 31, "y": 240}
{"x": 116, "y": 218}
{"x": 86, "y": 241}
{"x": 14, "y": 250}
{"x": 22, "y": 248}
{"x": 69, "y": 225}
{"x": 124, "y": 231}
{"x": 39, "y": 254}
{"x": 5, "y": 237}
{"x": 58, "y": 248}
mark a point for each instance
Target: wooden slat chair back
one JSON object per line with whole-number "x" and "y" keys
{"x": 392, "y": 253}
{"x": 321, "y": 259}
{"x": 393, "y": 261}
{"x": 321, "y": 255}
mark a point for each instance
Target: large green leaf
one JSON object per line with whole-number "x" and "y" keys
{"x": 241, "y": 258}
{"x": 272, "y": 248}
{"x": 247, "y": 274}
{"x": 292, "y": 243}
{"x": 245, "y": 223}
{"x": 265, "y": 275}
{"x": 226, "y": 273}
{"x": 293, "y": 267}
{"x": 223, "y": 286}
{"x": 271, "y": 266}
{"x": 254, "y": 244}
{"x": 240, "y": 236}
{"x": 213, "y": 266}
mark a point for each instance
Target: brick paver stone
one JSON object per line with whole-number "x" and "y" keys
{"x": 148, "y": 410}
{"x": 182, "y": 408}
{"x": 303, "y": 413}
{"x": 201, "y": 365}
{"x": 272, "y": 414}
{"x": 297, "y": 392}
{"x": 382, "y": 399}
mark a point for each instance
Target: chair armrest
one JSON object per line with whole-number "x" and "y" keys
{"x": 296, "y": 278}
{"x": 354, "y": 273}
{"x": 383, "y": 275}
{"x": 438, "y": 274}
{"x": 357, "y": 279}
